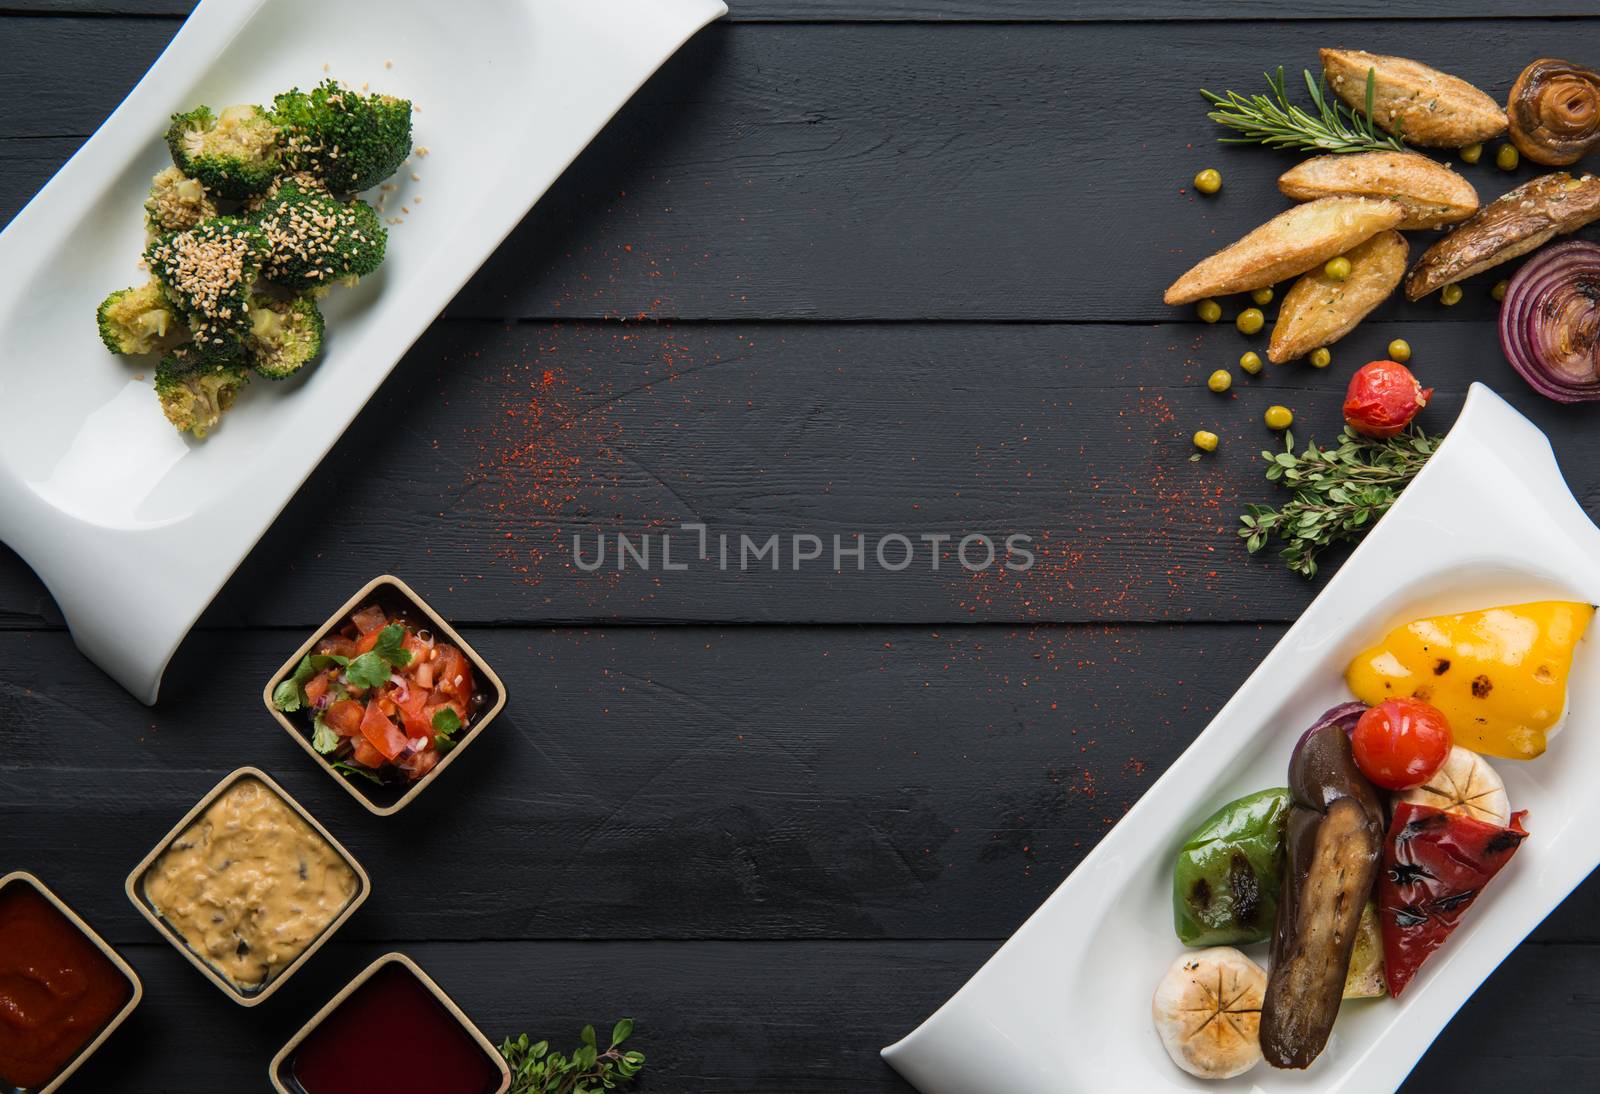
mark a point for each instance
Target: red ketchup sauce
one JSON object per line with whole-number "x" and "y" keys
{"x": 436, "y": 1056}
{"x": 57, "y": 990}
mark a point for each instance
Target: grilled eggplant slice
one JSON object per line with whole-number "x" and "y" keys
{"x": 1318, "y": 311}
{"x": 1289, "y": 244}
{"x": 1430, "y": 192}
{"x": 1421, "y": 105}
{"x": 1508, "y": 227}
{"x": 1334, "y": 845}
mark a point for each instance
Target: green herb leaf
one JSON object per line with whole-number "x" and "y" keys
{"x": 1338, "y": 493}
{"x": 445, "y": 723}
{"x": 323, "y": 737}
{"x": 390, "y": 646}
{"x": 369, "y": 670}
{"x": 1274, "y": 121}
{"x": 357, "y": 769}
{"x": 290, "y": 695}
{"x": 536, "y": 1070}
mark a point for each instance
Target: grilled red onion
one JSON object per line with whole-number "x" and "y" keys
{"x": 1550, "y": 322}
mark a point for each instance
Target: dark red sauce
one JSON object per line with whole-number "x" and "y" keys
{"x": 424, "y": 1049}
{"x": 57, "y": 990}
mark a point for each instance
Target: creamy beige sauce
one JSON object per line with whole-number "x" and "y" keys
{"x": 249, "y": 885}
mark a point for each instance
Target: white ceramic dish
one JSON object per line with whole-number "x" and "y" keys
{"x": 1488, "y": 521}
{"x": 131, "y": 527}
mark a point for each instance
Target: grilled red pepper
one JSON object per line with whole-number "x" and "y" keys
{"x": 1434, "y": 866}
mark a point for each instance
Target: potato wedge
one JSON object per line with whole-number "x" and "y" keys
{"x": 1422, "y": 105}
{"x": 1430, "y": 192}
{"x": 1512, "y": 225}
{"x": 1318, "y": 310}
{"x": 1290, "y": 243}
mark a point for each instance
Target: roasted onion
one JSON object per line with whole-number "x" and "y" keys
{"x": 1550, "y": 322}
{"x": 1555, "y": 111}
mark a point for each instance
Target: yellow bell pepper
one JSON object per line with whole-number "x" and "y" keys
{"x": 1498, "y": 675}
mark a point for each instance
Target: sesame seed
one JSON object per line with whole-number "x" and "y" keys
{"x": 388, "y": 64}
{"x": 415, "y": 177}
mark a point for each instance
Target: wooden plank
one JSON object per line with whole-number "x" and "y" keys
{"x": 725, "y": 1018}
{"x": 863, "y": 172}
{"x": 517, "y": 439}
{"x": 687, "y": 782}
{"x": 996, "y": 11}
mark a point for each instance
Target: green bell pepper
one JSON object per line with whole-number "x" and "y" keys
{"x": 1225, "y": 883}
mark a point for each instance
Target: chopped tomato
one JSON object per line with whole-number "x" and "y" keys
{"x": 364, "y": 753}
{"x": 338, "y": 645}
{"x": 419, "y": 764}
{"x": 344, "y": 717}
{"x": 416, "y": 648}
{"x": 411, "y": 712}
{"x": 451, "y": 672}
{"x": 383, "y": 734}
{"x": 317, "y": 687}
{"x": 370, "y": 620}
{"x": 367, "y": 641}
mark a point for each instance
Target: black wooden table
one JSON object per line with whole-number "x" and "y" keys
{"x": 843, "y": 266}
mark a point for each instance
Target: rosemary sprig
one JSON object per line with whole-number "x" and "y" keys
{"x": 1273, "y": 120}
{"x": 1338, "y": 492}
{"x": 537, "y": 1070}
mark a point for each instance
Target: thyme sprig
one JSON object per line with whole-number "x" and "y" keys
{"x": 589, "y": 1070}
{"x": 1273, "y": 120}
{"x": 1339, "y": 492}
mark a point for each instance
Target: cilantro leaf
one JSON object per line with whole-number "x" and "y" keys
{"x": 290, "y": 695}
{"x": 445, "y": 722}
{"x": 323, "y": 737}
{"x": 368, "y": 671}
{"x": 356, "y": 769}
{"x": 371, "y": 669}
{"x": 390, "y": 646}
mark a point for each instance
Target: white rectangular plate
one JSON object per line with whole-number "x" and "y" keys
{"x": 134, "y": 528}
{"x": 1488, "y": 521}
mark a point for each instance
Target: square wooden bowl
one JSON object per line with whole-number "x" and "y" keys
{"x": 22, "y": 877}
{"x": 390, "y": 591}
{"x": 279, "y": 1070}
{"x": 135, "y": 890}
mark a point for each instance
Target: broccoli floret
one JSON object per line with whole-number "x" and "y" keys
{"x": 234, "y": 153}
{"x": 314, "y": 239}
{"x": 194, "y": 398}
{"x": 176, "y": 202}
{"x": 284, "y": 335}
{"x": 210, "y": 271}
{"x": 302, "y": 180}
{"x": 349, "y": 140}
{"x": 139, "y": 320}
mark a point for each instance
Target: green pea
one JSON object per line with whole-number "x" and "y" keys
{"x": 1400, "y": 350}
{"x": 1321, "y": 358}
{"x": 1251, "y": 362}
{"x": 1205, "y": 440}
{"x": 1337, "y": 269}
{"x": 1450, "y": 295}
{"x": 1209, "y": 311}
{"x": 1250, "y": 321}
{"x": 1507, "y": 157}
{"x": 1472, "y": 153}
{"x": 1208, "y": 181}
{"x": 1219, "y": 381}
{"x": 1262, "y": 297}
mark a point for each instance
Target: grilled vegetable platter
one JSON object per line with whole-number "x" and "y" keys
{"x": 1336, "y": 888}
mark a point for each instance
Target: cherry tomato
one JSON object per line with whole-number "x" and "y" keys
{"x": 1383, "y": 398}
{"x": 1400, "y": 743}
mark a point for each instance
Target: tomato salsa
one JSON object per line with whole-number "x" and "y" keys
{"x": 385, "y": 700}
{"x": 440, "y": 1056}
{"x": 57, "y": 990}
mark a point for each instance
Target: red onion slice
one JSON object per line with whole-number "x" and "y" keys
{"x": 1550, "y": 322}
